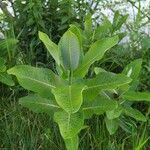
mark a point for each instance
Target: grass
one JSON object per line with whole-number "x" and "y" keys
{"x": 21, "y": 129}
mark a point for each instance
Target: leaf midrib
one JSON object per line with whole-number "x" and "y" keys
{"x": 106, "y": 84}
{"x": 45, "y": 104}
{"x": 69, "y": 48}
{"x": 70, "y": 95}
{"x": 90, "y": 62}
{"x": 37, "y": 81}
{"x": 86, "y": 108}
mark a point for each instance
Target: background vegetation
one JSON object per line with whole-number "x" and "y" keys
{"x": 20, "y": 21}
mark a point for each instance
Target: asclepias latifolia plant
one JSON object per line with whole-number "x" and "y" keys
{"x": 66, "y": 94}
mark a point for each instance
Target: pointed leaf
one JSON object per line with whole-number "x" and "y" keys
{"x": 39, "y": 80}
{"x": 96, "y": 52}
{"x": 39, "y": 104}
{"x": 69, "y": 97}
{"x": 74, "y": 29}
{"x": 136, "y": 96}
{"x": 112, "y": 125}
{"x": 51, "y": 47}
{"x": 107, "y": 80}
{"x": 134, "y": 113}
{"x": 113, "y": 114}
{"x": 133, "y": 69}
{"x": 104, "y": 81}
{"x": 69, "y": 46}
{"x": 69, "y": 124}
{"x": 127, "y": 124}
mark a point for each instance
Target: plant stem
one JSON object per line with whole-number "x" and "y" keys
{"x": 70, "y": 77}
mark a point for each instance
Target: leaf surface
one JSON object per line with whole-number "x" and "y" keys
{"x": 136, "y": 96}
{"x": 69, "y": 47}
{"x": 95, "y": 53}
{"x": 107, "y": 80}
{"x": 133, "y": 69}
{"x": 39, "y": 104}
{"x": 39, "y": 80}
{"x": 112, "y": 125}
{"x": 134, "y": 113}
{"x": 104, "y": 81}
{"x": 100, "y": 105}
{"x": 113, "y": 114}
{"x": 69, "y": 97}
{"x": 51, "y": 46}
{"x": 69, "y": 124}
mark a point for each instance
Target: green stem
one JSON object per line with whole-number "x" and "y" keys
{"x": 70, "y": 77}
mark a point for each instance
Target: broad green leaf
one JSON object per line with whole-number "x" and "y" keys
{"x": 72, "y": 143}
{"x": 77, "y": 32}
{"x": 104, "y": 81}
{"x": 74, "y": 29}
{"x": 69, "y": 47}
{"x": 136, "y": 96}
{"x": 69, "y": 124}
{"x": 133, "y": 69}
{"x": 114, "y": 113}
{"x": 39, "y": 104}
{"x": 2, "y": 65}
{"x": 112, "y": 125}
{"x": 90, "y": 94}
{"x": 6, "y": 79}
{"x": 69, "y": 97}
{"x": 51, "y": 47}
{"x": 107, "y": 80}
{"x": 134, "y": 113}
{"x": 95, "y": 53}
{"x": 100, "y": 105}
{"x": 39, "y": 80}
